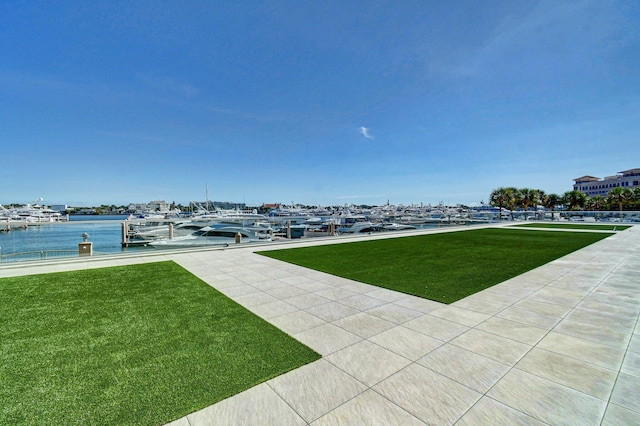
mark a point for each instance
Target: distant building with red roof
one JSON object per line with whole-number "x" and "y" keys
{"x": 593, "y": 186}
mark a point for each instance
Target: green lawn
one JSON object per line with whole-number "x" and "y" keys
{"x": 442, "y": 267}
{"x": 142, "y": 345}
{"x": 584, "y": 226}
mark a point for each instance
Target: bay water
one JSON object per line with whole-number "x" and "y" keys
{"x": 105, "y": 232}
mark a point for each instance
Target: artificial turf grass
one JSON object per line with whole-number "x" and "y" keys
{"x": 142, "y": 344}
{"x": 442, "y": 267}
{"x": 592, "y": 227}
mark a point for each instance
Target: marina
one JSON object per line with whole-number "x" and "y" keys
{"x": 60, "y": 236}
{"x": 25, "y": 238}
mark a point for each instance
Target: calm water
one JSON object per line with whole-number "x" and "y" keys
{"x": 104, "y": 232}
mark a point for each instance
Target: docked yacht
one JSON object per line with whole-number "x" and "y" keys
{"x": 32, "y": 213}
{"x": 220, "y": 234}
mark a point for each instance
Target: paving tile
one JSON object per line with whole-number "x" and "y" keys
{"x": 327, "y": 338}
{"x": 482, "y": 306}
{"x": 255, "y": 299}
{"x": 334, "y": 280}
{"x": 367, "y": 362}
{"x": 618, "y": 311}
{"x": 543, "y": 308}
{"x": 529, "y": 317}
{"x": 368, "y": 408}
{"x": 332, "y": 311}
{"x": 386, "y": 294}
{"x": 616, "y": 301}
{"x": 335, "y": 293}
{"x": 498, "y": 348}
{"x": 315, "y": 286}
{"x": 603, "y": 335}
{"x": 579, "y": 375}
{"x": 513, "y": 330}
{"x": 459, "y": 315}
{"x": 239, "y": 290}
{"x": 634, "y": 344}
{"x": 574, "y": 282}
{"x": 547, "y": 401}
{"x": 304, "y": 301}
{"x": 436, "y": 327}
{"x": 495, "y": 296}
{"x": 395, "y": 313}
{"x": 490, "y": 412}
{"x": 584, "y": 350}
{"x": 470, "y": 369}
{"x": 533, "y": 279}
{"x": 362, "y": 302}
{"x": 514, "y": 288}
{"x": 357, "y": 287}
{"x": 296, "y": 322}
{"x": 617, "y": 416}
{"x": 429, "y": 396}
{"x": 603, "y": 320}
{"x": 285, "y": 291}
{"x": 631, "y": 364}
{"x": 419, "y": 304}
{"x": 273, "y": 309}
{"x": 558, "y": 296}
{"x": 259, "y": 405}
{"x": 298, "y": 280}
{"x": 331, "y": 388}
{"x": 620, "y": 297}
{"x": 626, "y": 391}
{"x": 406, "y": 342}
{"x": 364, "y": 325}
{"x": 246, "y": 276}
{"x": 179, "y": 422}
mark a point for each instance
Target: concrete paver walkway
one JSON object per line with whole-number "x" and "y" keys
{"x": 556, "y": 345}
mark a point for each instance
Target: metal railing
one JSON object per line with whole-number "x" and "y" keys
{"x": 37, "y": 255}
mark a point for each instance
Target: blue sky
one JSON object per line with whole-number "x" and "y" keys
{"x": 313, "y": 102}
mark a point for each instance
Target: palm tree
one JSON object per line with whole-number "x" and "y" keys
{"x": 513, "y": 199}
{"x": 550, "y": 201}
{"x": 529, "y": 198}
{"x": 505, "y": 197}
{"x": 595, "y": 203}
{"x": 620, "y": 196}
{"x": 574, "y": 199}
{"x": 499, "y": 198}
{"x": 538, "y": 199}
{"x": 636, "y": 196}
{"x": 525, "y": 199}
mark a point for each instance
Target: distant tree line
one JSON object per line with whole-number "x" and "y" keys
{"x": 512, "y": 198}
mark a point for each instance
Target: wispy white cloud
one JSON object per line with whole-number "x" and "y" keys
{"x": 365, "y": 132}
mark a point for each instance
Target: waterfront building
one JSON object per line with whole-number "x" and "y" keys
{"x": 152, "y": 206}
{"x": 222, "y": 205}
{"x": 59, "y": 207}
{"x": 593, "y": 186}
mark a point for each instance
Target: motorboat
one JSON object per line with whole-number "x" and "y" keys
{"x": 397, "y": 227}
{"x": 32, "y": 213}
{"x": 161, "y": 229}
{"x": 217, "y": 235}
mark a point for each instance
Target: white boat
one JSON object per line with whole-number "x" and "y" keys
{"x": 397, "y": 227}
{"x": 217, "y": 235}
{"x": 160, "y": 229}
{"x": 35, "y": 213}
